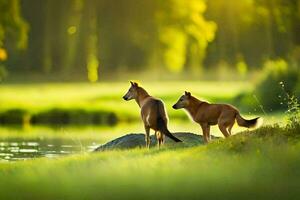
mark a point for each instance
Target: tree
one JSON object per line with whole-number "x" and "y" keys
{"x": 13, "y": 29}
{"x": 184, "y": 33}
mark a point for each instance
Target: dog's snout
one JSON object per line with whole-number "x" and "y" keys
{"x": 125, "y": 98}
{"x": 174, "y": 106}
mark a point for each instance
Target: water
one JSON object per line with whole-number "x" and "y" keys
{"x": 15, "y": 149}
{"x": 24, "y": 143}
{"x": 33, "y": 142}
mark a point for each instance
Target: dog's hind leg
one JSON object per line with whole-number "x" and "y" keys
{"x": 223, "y": 129}
{"x": 230, "y": 127}
{"x": 157, "y": 134}
{"x": 208, "y": 132}
{"x": 160, "y": 138}
{"x": 147, "y": 136}
{"x": 224, "y": 122}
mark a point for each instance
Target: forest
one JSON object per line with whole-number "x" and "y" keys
{"x": 89, "y": 39}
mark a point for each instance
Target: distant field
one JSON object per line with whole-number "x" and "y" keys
{"x": 107, "y": 97}
{"x": 101, "y": 95}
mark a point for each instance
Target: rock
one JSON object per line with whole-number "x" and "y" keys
{"x": 137, "y": 140}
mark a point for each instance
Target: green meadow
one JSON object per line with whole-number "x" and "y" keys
{"x": 260, "y": 164}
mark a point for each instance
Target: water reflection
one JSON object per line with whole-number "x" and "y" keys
{"x": 14, "y": 149}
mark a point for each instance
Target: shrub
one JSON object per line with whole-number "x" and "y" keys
{"x": 270, "y": 91}
{"x": 293, "y": 112}
{"x": 14, "y": 116}
{"x": 270, "y": 94}
{"x": 74, "y": 116}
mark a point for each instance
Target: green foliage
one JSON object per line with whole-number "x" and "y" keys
{"x": 269, "y": 90}
{"x": 13, "y": 117}
{"x": 293, "y": 112}
{"x": 60, "y": 116}
{"x": 256, "y": 30}
{"x": 184, "y": 33}
{"x": 274, "y": 89}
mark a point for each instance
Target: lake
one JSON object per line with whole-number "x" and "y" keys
{"x": 17, "y": 143}
{"x": 14, "y": 149}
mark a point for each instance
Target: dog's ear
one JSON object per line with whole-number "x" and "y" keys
{"x": 187, "y": 93}
{"x": 135, "y": 84}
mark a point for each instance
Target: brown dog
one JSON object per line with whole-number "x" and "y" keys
{"x": 207, "y": 114}
{"x": 153, "y": 113}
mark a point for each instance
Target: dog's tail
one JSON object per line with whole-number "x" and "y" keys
{"x": 252, "y": 123}
{"x": 162, "y": 124}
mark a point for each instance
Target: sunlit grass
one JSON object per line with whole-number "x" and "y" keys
{"x": 263, "y": 163}
{"x": 35, "y": 97}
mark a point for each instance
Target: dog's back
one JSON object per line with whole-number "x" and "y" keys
{"x": 155, "y": 116}
{"x": 151, "y": 110}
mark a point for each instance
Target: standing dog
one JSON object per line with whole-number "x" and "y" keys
{"x": 153, "y": 113}
{"x": 207, "y": 114}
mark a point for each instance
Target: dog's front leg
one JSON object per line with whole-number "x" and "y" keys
{"x": 205, "y": 130}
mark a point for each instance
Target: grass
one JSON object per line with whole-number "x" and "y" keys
{"x": 259, "y": 164}
{"x": 92, "y": 101}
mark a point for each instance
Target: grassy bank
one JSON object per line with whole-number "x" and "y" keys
{"x": 101, "y": 103}
{"x": 260, "y": 164}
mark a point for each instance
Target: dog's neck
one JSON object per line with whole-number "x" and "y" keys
{"x": 142, "y": 94}
{"x": 194, "y": 106}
